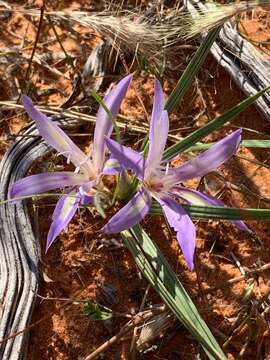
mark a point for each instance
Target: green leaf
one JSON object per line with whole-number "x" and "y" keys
{"x": 110, "y": 115}
{"x": 191, "y": 70}
{"x": 255, "y": 143}
{"x": 96, "y": 311}
{"x": 158, "y": 272}
{"x": 248, "y": 290}
{"x": 244, "y": 143}
{"x": 217, "y": 212}
{"x": 183, "y": 83}
{"x": 123, "y": 186}
{"x": 213, "y": 125}
{"x": 188, "y": 75}
{"x": 99, "y": 197}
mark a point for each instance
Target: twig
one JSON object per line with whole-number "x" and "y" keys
{"x": 260, "y": 164}
{"x": 124, "y": 123}
{"x": 235, "y": 331}
{"x": 27, "y": 75}
{"x": 138, "y": 319}
{"x": 114, "y": 313}
{"x": 238, "y": 264}
{"x": 144, "y": 297}
{"x": 133, "y": 340}
{"x": 239, "y": 278}
{"x": 68, "y": 57}
{"x": 240, "y": 188}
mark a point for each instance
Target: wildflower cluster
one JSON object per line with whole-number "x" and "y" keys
{"x": 157, "y": 179}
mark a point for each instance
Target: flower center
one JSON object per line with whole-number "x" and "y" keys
{"x": 154, "y": 184}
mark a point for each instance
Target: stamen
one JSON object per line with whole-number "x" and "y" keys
{"x": 82, "y": 191}
{"x": 167, "y": 168}
{"x": 89, "y": 163}
{"x": 65, "y": 153}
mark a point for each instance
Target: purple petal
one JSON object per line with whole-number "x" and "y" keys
{"x": 64, "y": 211}
{"x": 128, "y": 158}
{"x": 184, "y": 227}
{"x": 54, "y": 135}
{"x": 86, "y": 187}
{"x": 112, "y": 167}
{"x": 36, "y": 184}
{"x": 131, "y": 214}
{"x": 86, "y": 199}
{"x": 210, "y": 159}
{"x": 198, "y": 198}
{"x": 159, "y": 128}
{"x": 103, "y": 123}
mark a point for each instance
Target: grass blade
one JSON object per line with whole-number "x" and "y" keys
{"x": 185, "y": 81}
{"x": 264, "y": 144}
{"x": 217, "y": 212}
{"x": 101, "y": 103}
{"x": 158, "y": 272}
{"x": 213, "y": 125}
{"x": 191, "y": 70}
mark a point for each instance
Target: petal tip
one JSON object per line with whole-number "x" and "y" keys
{"x": 157, "y": 85}
{"x": 239, "y": 131}
{"x": 237, "y": 135}
{"x": 47, "y": 247}
{"x": 129, "y": 77}
{"x": 104, "y": 230}
{"x": 125, "y": 82}
{"x": 11, "y": 194}
{"x": 14, "y": 191}
{"x": 25, "y": 98}
{"x": 50, "y": 239}
{"x": 27, "y": 102}
{"x": 190, "y": 266}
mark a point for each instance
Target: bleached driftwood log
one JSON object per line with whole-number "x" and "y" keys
{"x": 248, "y": 68}
{"x": 19, "y": 244}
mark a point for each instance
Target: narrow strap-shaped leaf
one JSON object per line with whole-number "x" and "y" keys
{"x": 213, "y": 125}
{"x": 101, "y": 103}
{"x": 216, "y": 212}
{"x": 255, "y": 143}
{"x": 244, "y": 143}
{"x": 158, "y": 272}
{"x": 191, "y": 70}
{"x": 184, "y": 82}
{"x": 189, "y": 74}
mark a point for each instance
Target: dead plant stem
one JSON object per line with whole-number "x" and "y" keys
{"x": 138, "y": 319}
{"x": 239, "y": 278}
{"x": 27, "y": 75}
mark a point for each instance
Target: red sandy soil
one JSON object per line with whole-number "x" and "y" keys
{"x": 84, "y": 264}
{"x": 255, "y": 27}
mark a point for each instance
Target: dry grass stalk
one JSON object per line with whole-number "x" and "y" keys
{"x": 216, "y": 15}
{"x": 154, "y": 329}
{"x": 129, "y": 31}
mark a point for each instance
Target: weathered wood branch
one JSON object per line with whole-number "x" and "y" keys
{"x": 19, "y": 244}
{"x": 249, "y": 70}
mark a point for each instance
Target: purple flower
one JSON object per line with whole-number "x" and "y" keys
{"x": 163, "y": 183}
{"x": 89, "y": 168}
